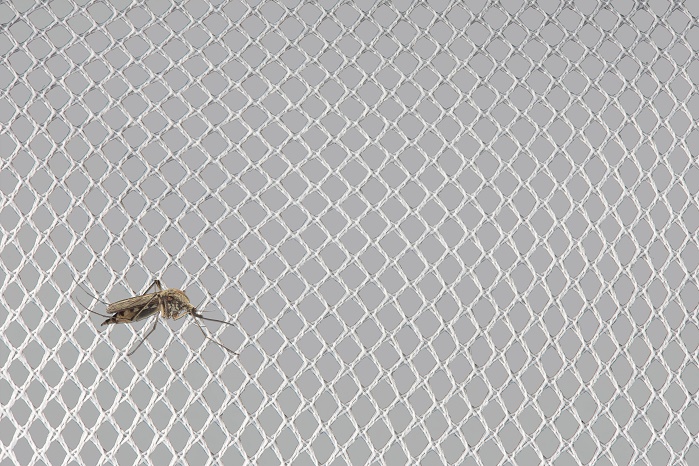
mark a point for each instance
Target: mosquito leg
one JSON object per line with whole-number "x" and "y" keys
{"x": 144, "y": 338}
{"x": 179, "y": 315}
{"x": 156, "y": 284}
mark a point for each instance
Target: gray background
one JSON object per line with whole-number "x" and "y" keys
{"x": 445, "y": 232}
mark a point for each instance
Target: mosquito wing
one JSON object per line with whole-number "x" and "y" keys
{"x": 136, "y": 302}
{"x": 134, "y": 309}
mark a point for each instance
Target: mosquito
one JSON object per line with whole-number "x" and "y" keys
{"x": 170, "y": 303}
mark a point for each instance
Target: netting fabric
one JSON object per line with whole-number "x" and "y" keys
{"x": 445, "y": 232}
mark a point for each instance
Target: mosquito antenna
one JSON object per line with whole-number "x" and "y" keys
{"x": 208, "y": 337}
{"x": 90, "y": 310}
{"x": 143, "y": 340}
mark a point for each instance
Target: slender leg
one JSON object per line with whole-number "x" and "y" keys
{"x": 156, "y": 284}
{"x": 179, "y": 315}
{"x": 144, "y": 338}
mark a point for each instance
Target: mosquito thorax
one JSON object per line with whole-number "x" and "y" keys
{"x": 173, "y": 294}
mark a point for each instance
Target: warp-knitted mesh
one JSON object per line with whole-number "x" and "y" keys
{"x": 446, "y": 232}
